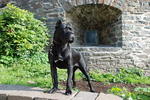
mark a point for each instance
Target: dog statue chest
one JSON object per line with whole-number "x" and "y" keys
{"x": 61, "y": 55}
{"x": 61, "y": 64}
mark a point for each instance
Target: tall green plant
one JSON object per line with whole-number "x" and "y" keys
{"x": 20, "y": 33}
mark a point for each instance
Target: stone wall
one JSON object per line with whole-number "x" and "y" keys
{"x": 134, "y": 50}
{"x": 46, "y": 10}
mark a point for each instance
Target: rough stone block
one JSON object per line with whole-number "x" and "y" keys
{"x": 59, "y": 95}
{"x": 13, "y": 97}
{"x": 3, "y": 97}
{"x": 41, "y": 98}
{"x": 103, "y": 96}
{"x": 127, "y": 17}
{"x": 147, "y": 18}
{"x": 85, "y": 96}
{"x": 15, "y": 92}
{"x": 147, "y": 27}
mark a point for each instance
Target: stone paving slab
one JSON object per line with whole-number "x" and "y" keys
{"x": 103, "y": 96}
{"x": 40, "y": 96}
{"x": 15, "y": 92}
{"x": 19, "y": 87}
{"x": 85, "y": 96}
{"x": 13, "y": 97}
{"x": 3, "y": 96}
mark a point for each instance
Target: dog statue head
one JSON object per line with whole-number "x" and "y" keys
{"x": 63, "y": 33}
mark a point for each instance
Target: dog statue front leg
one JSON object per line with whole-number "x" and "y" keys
{"x": 54, "y": 79}
{"x": 69, "y": 80}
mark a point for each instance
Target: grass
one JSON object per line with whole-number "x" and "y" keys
{"x": 31, "y": 73}
{"x": 28, "y": 74}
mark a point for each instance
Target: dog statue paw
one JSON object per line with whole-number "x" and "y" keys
{"x": 53, "y": 90}
{"x": 92, "y": 90}
{"x": 68, "y": 92}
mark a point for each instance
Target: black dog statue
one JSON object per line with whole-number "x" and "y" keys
{"x": 62, "y": 56}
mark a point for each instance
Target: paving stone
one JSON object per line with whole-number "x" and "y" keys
{"x": 103, "y": 96}
{"x": 85, "y": 96}
{"x": 59, "y": 95}
{"x": 41, "y": 98}
{"x": 11, "y": 97}
{"x": 18, "y": 87}
{"x": 3, "y": 97}
{"x": 15, "y": 92}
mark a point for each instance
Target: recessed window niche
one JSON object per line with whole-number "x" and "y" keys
{"x": 96, "y": 25}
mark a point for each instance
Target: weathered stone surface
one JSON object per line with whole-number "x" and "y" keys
{"x": 59, "y": 95}
{"x": 15, "y": 92}
{"x": 85, "y": 96}
{"x": 103, "y": 96}
{"x": 18, "y": 97}
{"x": 41, "y": 99}
{"x": 3, "y": 96}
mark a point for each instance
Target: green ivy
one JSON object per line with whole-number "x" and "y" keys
{"x": 122, "y": 92}
{"x": 144, "y": 91}
{"x": 124, "y": 75}
{"x": 138, "y": 93}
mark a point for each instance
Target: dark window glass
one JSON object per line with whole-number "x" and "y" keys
{"x": 91, "y": 37}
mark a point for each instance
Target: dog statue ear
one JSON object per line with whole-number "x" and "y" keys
{"x": 59, "y": 22}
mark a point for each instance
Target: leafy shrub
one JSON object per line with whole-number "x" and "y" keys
{"x": 20, "y": 34}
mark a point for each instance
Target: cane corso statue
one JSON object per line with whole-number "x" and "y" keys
{"x": 62, "y": 56}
